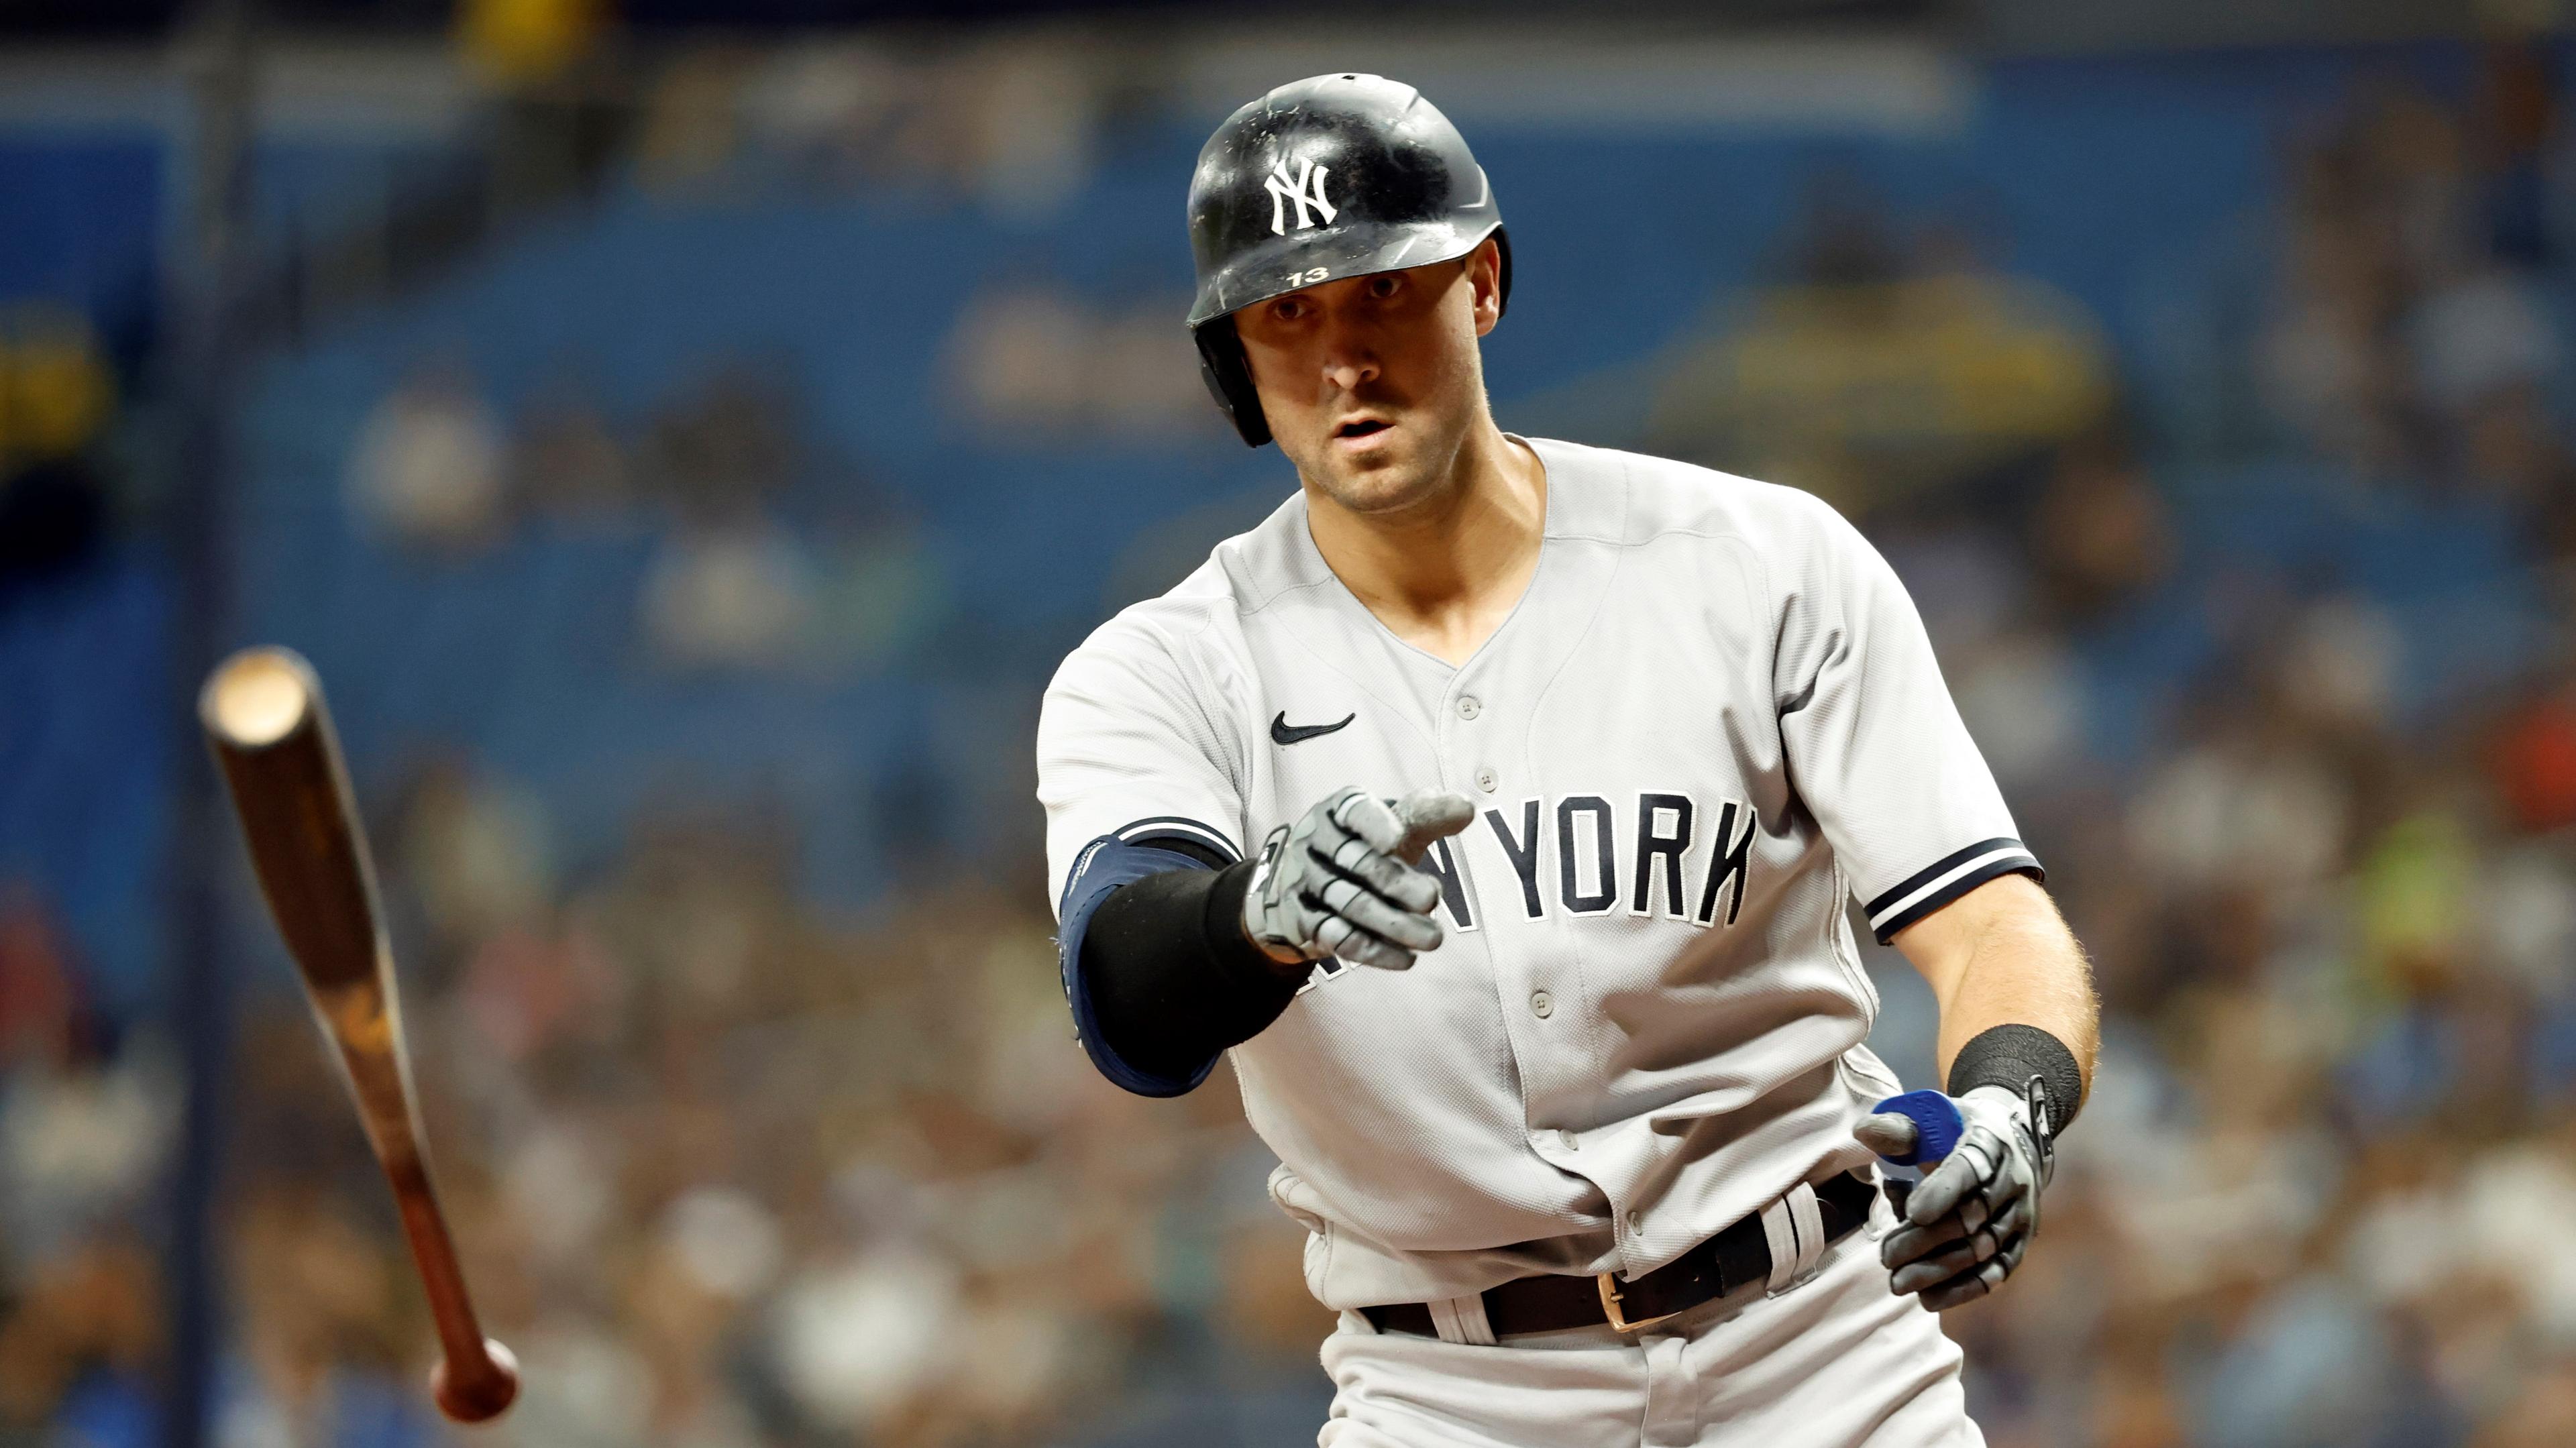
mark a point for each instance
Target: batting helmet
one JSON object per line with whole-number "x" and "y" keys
{"x": 1336, "y": 176}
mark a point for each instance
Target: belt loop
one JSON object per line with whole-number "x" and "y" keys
{"x": 1809, "y": 1219}
{"x": 1462, "y": 1319}
{"x": 1783, "y": 1241}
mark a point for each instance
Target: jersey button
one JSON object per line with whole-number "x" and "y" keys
{"x": 1542, "y": 1005}
{"x": 1486, "y": 780}
{"x": 1569, "y": 1141}
{"x": 1468, "y": 708}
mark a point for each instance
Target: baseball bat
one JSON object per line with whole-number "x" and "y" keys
{"x": 271, "y": 734}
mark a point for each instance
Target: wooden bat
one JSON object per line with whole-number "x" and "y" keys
{"x": 264, "y": 716}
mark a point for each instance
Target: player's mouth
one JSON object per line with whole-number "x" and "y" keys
{"x": 1359, "y": 431}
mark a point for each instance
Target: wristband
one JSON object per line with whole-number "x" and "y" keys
{"x": 2009, "y": 1056}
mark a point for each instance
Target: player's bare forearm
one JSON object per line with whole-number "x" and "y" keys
{"x": 2002, "y": 955}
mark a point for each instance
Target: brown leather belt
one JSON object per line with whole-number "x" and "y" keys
{"x": 1739, "y": 1255}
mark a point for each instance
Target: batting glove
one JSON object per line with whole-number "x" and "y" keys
{"x": 1967, "y": 1224}
{"x": 1344, "y": 880}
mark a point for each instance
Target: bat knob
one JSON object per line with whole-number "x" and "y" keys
{"x": 476, "y": 1390}
{"x": 1937, "y": 1125}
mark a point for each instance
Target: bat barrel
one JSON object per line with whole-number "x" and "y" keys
{"x": 272, "y": 736}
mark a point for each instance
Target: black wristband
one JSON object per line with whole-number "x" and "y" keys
{"x": 2008, "y": 1056}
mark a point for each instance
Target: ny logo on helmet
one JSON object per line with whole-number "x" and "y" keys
{"x": 1284, "y": 192}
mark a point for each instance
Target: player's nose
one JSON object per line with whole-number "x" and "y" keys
{"x": 1350, "y": 374}
{"x": 1350, "y": 357}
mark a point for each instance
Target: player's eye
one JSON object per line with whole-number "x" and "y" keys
{"x": 1385, "y": 285}
{"x": 1288, "y": 309}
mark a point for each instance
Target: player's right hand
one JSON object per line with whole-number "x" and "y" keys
{"x": 1344, "y": 880}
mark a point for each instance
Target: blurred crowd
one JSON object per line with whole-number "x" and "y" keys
{"x": 732, "y": 1168}
{"x": 770, "y": 552}
{"x": 726, "y": 1172}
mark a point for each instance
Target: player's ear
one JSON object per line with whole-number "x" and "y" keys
{"x": 1485, "y": 284}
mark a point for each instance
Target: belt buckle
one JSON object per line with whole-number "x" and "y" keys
{"x": 1609, "y": 1285}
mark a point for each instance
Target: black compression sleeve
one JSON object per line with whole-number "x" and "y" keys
{"x": 1171, "y": 978}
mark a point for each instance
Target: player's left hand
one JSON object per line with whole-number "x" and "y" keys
{"x": 1969, "y": 1221}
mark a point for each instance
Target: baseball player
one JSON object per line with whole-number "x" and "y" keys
{"x": 1496, "y": 803}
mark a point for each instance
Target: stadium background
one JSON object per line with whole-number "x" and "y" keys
{"x": 685, "y": 449}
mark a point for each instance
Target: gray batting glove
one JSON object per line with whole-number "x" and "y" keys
{"x": 1344, "y": 880}
{"x": 1971, "y": 1218}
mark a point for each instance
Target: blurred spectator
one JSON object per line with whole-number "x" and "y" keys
{"x": 739, "y": 596}
{"x": 2543, "y": 1413}
{"x": 1032, "y": 362}
{"x": 56, "y": 390}
{"x": 79, "y": 1348}
{"x": 2099, "y": 535}
{"x": 2022, "y": 698}
{"x": 429, "y": 467}
{"x": 2479, "y": 334}
{"x": 36, "y": 988}
{"x": 81, "y": 1138}
{"x": 84, "y": 1126}
{"x": 474, "y": 854}
{"x": 56, "y": 393}
{"x": 322, "y": 1356}
{"x": 567, "y": 464}
{"x": 729, "y": 447}
{"x": 521, "y": 41}
{"x": 827, "y": 111}
{"x": 2534, "y": 759}
{"x": 2517, "y": 112}
{"x": 82, "y": 1122}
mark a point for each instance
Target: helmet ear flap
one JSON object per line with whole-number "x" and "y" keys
{"x": 1228, "y": 375}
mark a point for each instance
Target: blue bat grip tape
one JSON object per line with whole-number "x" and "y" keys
{"x": 1937, "y": 1125}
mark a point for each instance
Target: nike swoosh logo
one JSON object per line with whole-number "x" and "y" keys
{"x": 1283, "y": 732}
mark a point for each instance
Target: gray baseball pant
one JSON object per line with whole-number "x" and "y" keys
{"x": 1835, "y": 1362}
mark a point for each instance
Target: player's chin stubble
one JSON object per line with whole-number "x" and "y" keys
{"x": 1385, "y": 486}
{"x": 1418, "y": 466}
{"x": 1409, "y": 471}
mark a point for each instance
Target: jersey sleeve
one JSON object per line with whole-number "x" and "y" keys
{"x": 1137, "y": 779}
{"x": 1129, "y": 748}
{"x": 1875, "y": 746}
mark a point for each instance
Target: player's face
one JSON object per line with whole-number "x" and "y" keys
{"x": 1372, "y": 384}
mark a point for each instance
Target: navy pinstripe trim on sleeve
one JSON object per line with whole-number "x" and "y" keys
{"x": 1945, "y": 880}
{"x": 1179, "y": 827}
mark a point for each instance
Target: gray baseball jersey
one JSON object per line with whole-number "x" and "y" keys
{"x": 1712, "y": 720}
